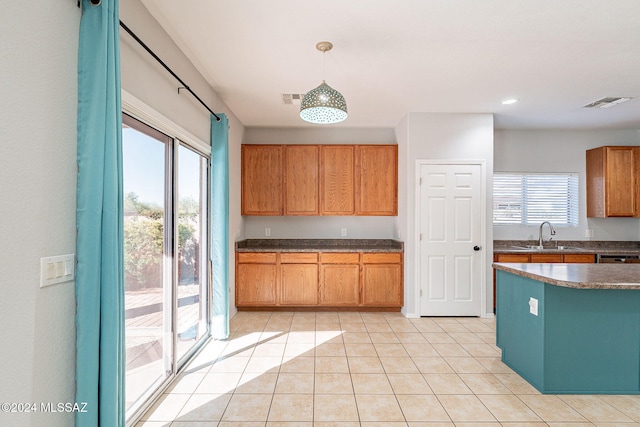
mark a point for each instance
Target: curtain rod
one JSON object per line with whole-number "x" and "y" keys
{"x": 166, "y": 67}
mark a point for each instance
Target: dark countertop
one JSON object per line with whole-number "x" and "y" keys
{"x": 571, "y": 247}
{"x": 319, "y": 245}
{"x": 580, "y": 276}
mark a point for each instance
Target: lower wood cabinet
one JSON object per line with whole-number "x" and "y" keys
{"x": 257, "y": 273}
{"x": 340, "y": 285}
{"x": 298, "y": 279}
{"x": 340, "y": 280}
{"x": 382, "y": 280}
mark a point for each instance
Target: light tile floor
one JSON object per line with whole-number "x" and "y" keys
{"x": 368, "y": 369}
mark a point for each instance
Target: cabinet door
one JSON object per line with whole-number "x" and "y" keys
{"x": 262, "y": 180}
{"x": 579, "y": 258}
{"x": 382, "y": 285}
{"x": 256, "y": 285}
{"x": 377, "y": 180}
{"x": 550, "y": 258}
{"x": 301, "y": 180}
{"x": 340, "y": 285}
{"x": 299, "y": 284}
{"x": 620, "y": 181}
{"x": 337, "y": 165}
{"x": 613, "y": 182}
{"x": 513, "y": 258}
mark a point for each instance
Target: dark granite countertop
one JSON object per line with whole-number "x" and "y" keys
{"x": 580, "y": 276}
{"x": 569, "y": 246}
{"x": 319, "y": 245}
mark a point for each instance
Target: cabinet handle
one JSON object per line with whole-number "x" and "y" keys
{"x": 477, "y": 248}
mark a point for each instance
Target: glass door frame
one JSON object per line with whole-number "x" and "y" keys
{"x": 175, "y": 366}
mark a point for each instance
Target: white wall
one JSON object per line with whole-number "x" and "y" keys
{"x": 39, "y": 45}
{"x": 319, "y": 227}
{"x": 145, "y": 79}
{"x": 445, "y": 137}
{"x": 562, "y": 151}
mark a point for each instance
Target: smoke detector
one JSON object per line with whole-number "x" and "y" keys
{"x": 292, "y": 98}
{"x": 607, "y": 102}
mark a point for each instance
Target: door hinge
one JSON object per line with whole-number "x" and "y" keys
{"x": 420, "y": 292}
{"x": 420, "y": 180}
{"x": 420, "y": 236}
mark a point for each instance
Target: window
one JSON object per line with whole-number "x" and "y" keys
{"x": 529, "y": 199}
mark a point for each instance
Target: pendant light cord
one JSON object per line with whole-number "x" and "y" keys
{"x": 166, "y": 67}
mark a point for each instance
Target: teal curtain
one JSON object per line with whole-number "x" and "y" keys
{"x": 99, "y": 221}
{"x": 220, "y": 225}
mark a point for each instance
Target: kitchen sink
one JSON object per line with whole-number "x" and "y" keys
{"x": 546, "y": 248}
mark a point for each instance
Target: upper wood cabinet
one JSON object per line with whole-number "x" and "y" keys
{"x": 319, "y": 180}
{"x": 301, "y": 164}
{"x": 613, "y": 181}
{"x": 337, "y": 189}
{"x": 262, "y": 179}
{"x": 377, "y": 178}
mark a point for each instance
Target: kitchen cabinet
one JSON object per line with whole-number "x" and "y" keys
{"x": 337, "y": 175}
{"x": 319, "y": 180}
{"x": 256, "y": 279}
{"x": 262, "y": 176}
{"x": 382, "y": 280}
{"x": 301, "y": 180}
{"x": 613, "y": 179}
{"x": 579, "y": 258}
{"x": 546, "y": 258}
{"x": 340, "y": 279}
{"x": 377, "y": 180}
{"x": 298, "y": 279}
{"x": 352, "y": 280}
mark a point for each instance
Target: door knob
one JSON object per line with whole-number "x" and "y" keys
{"x": 476, "y": 248}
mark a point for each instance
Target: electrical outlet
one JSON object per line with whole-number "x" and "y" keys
{"x": 588, "y": 233}
{"x": 533, "y": 306}
{"x": 267, "y": 232}
{"x": 343, "y": 232}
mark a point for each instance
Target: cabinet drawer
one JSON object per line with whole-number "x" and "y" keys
{"x": 546, "y": 257}
{"x": 339, "y": 258}
{"x": 298, "y": 258}
{"x": 386, "y": 258}
{"x": 513, "y": 258}
{"x": 579, "y": 258}
{"x": 257, "y": 257}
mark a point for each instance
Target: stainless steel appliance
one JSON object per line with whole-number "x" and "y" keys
{"x": 618, "y": 259}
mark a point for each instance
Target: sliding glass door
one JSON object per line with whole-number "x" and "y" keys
{"x": 166, "y": 252}
{"x": 192, "y": 311}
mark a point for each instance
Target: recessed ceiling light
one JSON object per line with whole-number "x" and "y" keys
{"x": 509, "y": 101}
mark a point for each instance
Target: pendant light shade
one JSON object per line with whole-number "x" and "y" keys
{"x": 324, "y": 104}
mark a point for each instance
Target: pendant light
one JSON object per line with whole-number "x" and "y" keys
{"x": 324, "y": 104}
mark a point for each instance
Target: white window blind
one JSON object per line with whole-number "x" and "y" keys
{"x": 529, "y": 199}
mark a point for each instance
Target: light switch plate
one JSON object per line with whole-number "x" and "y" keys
{"x": 533, "y": 306}
{"x": 57, "y": 269}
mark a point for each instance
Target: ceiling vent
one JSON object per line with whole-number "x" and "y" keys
{"x": 607, "y": 102}
{"x": 292, "y": 98}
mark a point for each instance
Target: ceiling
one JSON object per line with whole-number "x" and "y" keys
{"x": 391, "y": 57}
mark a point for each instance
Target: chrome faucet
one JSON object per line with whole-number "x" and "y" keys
{"x": 551, "y": 230}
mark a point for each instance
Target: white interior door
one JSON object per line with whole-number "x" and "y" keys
{"x": 450, "y": 222}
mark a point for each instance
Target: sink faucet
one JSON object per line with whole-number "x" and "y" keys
{"x": 551, "y": 230}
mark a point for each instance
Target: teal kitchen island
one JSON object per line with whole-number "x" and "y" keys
{"x": 571, "y": 328}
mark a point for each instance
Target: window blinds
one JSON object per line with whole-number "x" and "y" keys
{"x": 529, "y": 199}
